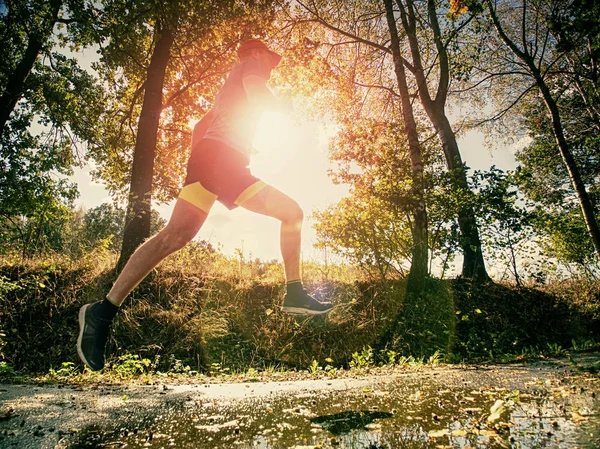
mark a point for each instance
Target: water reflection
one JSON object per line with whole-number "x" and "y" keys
{"x": 389, "y": 417}
{"x": 345, "y": 422}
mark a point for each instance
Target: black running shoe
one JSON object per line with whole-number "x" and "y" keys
{"x": 93, "y": 335}
{"x": 301, "y": 303}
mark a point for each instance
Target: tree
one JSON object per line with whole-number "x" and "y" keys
{"x": 434, "y": 105}
{"x": 418, "y": 269}
{"x": 576, "y": 28}
{"x": 544, "y": 179}
{"x": 362, "y": 25}
{"x": 372, "y": 227}
{"x": 506, "y": 222}
{"x": 34, "y": 20}
{"x": 48, "y": 109}
{"x": 538, "y": 57}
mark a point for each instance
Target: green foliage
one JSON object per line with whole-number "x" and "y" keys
{"x": 52, "y": 110}
{"x": 543, "y": 178}
{"x": 67, "y": 369}
{"x": 506, "y": 224}
{"x": 129, "y": 365}
{"x": 314, "y": 367}
{"x": 362, "y": 359}
{"x": 6, "y": 370}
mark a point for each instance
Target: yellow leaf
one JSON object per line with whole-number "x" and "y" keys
{"x": 438, "y": 433}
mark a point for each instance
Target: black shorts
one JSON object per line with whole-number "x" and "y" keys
{"x": 216, "y": 171}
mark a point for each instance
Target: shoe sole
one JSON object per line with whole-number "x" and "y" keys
{"x": 81, "y": 327}
{"x": 306, "y": 312}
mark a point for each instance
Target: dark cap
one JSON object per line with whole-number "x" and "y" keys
{"x": 256, "y": 44}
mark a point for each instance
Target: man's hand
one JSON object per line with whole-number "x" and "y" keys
{"x": 259, "y": 94}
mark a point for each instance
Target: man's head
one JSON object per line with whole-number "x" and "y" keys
{"x": 254, "y": 48}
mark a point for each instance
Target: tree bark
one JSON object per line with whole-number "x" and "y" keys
{"x": 418, "y": 268}
{"x": 575, "y": 176}
{"x": 473, "y": 262}
{"x": 137, "y": 225}
{"x": 15, "y": 85}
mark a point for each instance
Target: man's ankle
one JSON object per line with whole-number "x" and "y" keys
{"x": 106, "y": 310}
{"x": 294, "y": 287}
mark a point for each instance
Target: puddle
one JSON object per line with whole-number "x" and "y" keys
{"x": 386, "y": 415}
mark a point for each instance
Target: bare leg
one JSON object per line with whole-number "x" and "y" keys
{"x": 273, "y": 203}
{"x": 184, "y": 224}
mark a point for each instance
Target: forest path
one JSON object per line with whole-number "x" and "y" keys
{"x": 542, "y": 403}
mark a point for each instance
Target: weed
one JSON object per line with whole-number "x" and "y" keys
{"x": 314, "y": 367}
{"x": 178, "y": 367}
{"x": 6, "y": 369}
{"x": 129, "y": 365}
{"x": 67, "y": 369}
{"x": 364, "y": 359}
{"x": 583, "y": 344}
{"x": 555, "y": 350}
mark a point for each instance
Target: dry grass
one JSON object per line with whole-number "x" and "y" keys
{"x": 217, "y": 313}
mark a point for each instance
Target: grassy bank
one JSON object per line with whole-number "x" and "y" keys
{"x": 216, "y": 314}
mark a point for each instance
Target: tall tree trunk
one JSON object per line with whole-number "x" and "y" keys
{"x": 473, "y": 262}
{"x": 575, "y": 176}
{"x": 137, "y": 225}
{"x": 418, "y": 268}
{"x": 16, "y": 82}
{"x": 582, "y": 195}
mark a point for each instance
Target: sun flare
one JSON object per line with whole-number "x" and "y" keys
{"x": 274, "y": 143}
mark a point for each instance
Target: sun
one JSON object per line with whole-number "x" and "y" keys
{"x": 274, "y": 143}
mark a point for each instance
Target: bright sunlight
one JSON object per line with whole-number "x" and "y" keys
{"x": 274, "y": 144}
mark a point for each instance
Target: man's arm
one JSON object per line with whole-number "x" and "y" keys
{"x": 260, "y": 95}
{"x": 201, "y": 127}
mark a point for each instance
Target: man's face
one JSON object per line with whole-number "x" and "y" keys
{"x": 265, "y": 58}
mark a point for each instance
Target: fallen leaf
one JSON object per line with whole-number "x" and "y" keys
{"x": 438, "y": 433}
{"x": 496, "y": 410}
{"x": 578, "y": 417}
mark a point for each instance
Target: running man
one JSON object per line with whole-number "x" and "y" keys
{"x": 217, "y": 170}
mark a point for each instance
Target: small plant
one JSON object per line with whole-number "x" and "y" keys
{"x": 129, "y": 365}
{"x": 67, "y": 370}
{"x": 314, "y": 367}
{"x": 252, "y": 373}
{"x": 406, "y": 361}
{"x": 177, "y": 366}
{"x": 390, "y": 357}
{"x": 435, "y": 358}
{"x": 555, "y": 349}
{"x": 6, "y": 369}
{"x": 582, "y": 344}
{"x": 364, "y": 359}
{"x": 217, "y": 369}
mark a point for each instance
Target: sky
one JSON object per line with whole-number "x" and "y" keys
{"x": 293, "y": 158}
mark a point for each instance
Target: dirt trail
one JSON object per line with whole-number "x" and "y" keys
{"x": 41, "y": 416}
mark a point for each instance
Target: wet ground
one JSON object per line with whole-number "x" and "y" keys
{"x": 548, "y": 404}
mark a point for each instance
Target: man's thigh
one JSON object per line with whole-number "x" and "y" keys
{"x": 186, "y": 218}
{"x": 273, "y": 203}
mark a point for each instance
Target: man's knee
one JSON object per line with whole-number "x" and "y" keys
{"x": 293, "y": 214}
{"x": 175, "y": 239}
